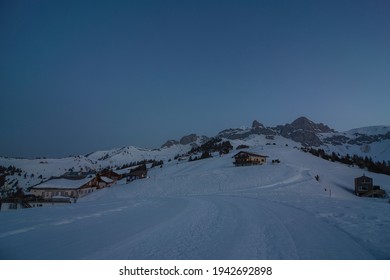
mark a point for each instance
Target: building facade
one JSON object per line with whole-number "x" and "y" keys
{"x": 364, "y": 186}
{"x": 245, "y": 158}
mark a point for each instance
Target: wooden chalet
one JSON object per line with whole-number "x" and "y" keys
{"x": 245, "y": 158}
{"x": 111, "y": 174}
{"x": 104, "y": 182}
{"x": 364, "y": 187}
{"x": 139, "y": 172}
{"x": 56, "y": 191}
{"x": 67, "y": 187}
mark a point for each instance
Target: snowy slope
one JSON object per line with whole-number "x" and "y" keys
{"x": 210, "y": 209}
{"x": 35, "y": 171}
{"x": 370, "y": 130}
{"x": 128, "y": 154}
{"x": 373, "y": 141}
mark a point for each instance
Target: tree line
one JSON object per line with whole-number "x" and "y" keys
{"x": 381, "y": 167}
{"x": 213, "y": 145}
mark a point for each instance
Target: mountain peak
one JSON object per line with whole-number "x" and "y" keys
{"x": 169, "y": 143}
{"x": 304, "y": 131}
{"x": 192, "y": 139}
{"x": 257, "y": 124}
{"x": 302, "y": 121}
{"x": 308, "y": 125}
{"x": 188, "y": 139}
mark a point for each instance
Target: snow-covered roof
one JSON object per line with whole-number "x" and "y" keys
{"x": 123, "y": 171}
{"x": 248, "y": 153}
{"x": 63, "y": 183}
{"x": 106, "y": 179}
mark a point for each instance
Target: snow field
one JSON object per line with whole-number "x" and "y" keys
{"x": 210, "y": 209}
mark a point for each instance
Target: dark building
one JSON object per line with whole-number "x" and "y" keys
{"x": 364, "y": 187}
{"x": 245, "y": 158}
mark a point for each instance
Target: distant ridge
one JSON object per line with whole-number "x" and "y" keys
{"x": 302, "y": 130}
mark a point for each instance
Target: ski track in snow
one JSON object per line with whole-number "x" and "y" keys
{"x": 18, "y": 231}
{"x": 225, "y": 227}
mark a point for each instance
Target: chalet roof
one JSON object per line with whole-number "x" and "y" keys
{"x": 363, "y": 177}
{"x": 63, "y": 183}
{"x": 106, "y": 179}
{"x": 123, "y": 171}
{"x": 110, "y": 172}
{"x": 249, "y": 154}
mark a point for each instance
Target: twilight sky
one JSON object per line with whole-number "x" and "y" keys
{"x": 81, "y": 76}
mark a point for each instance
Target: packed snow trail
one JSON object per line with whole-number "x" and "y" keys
{"x": 226, "y": 227}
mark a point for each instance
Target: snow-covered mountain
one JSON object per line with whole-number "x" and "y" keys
{"x": 308, "y": 133}
{"x": 373, "y": 142}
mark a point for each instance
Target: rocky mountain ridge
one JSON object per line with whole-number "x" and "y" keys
{"x": 192, "y": 139}
{"x": 355, "y": 138}
{"x": 371, "y": 141}
{"x": 301, "y": 130}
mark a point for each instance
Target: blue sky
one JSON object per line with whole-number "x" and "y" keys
{"x": 80, "y": 76}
